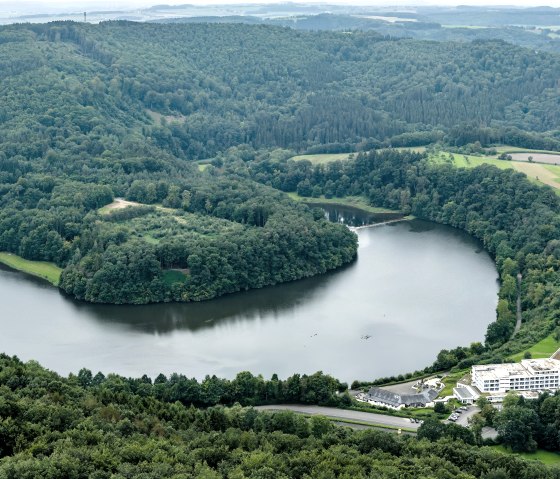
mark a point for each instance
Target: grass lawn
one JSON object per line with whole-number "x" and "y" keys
{"x": 322, "y": 158}
{"x": 540, "y": 455}
{"x": 202, "y": 167}
{"x": 450, "y": 382}
{"x": 41, "y": 269}
{"x": 171, "y": 276}
{"x": 543, "y": 349}
{"x": 353, "y": 201}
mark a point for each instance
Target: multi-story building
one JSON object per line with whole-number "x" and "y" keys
{"x": 529, "y": 375}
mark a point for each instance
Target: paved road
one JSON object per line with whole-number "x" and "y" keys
{"x": 331, "y": 412}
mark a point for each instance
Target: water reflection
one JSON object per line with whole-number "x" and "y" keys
{"x": 352, "y": 216}
{"x": 416, "y": 288}
{"x": 269, "y": 304}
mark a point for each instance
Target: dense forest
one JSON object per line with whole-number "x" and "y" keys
{"x": 118, "y": 428}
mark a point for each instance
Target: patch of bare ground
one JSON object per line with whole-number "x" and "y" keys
{"x": 119, "y": 204}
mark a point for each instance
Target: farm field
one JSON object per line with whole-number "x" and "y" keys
{"x": 41, "y": 269}
{"x": 548, "y": 158}
{"x": 537, "y": 172}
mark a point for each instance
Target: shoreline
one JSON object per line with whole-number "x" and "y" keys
{"x": 39, "y": 269}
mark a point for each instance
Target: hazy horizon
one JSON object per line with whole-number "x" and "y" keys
{"x": 59, "y": 6}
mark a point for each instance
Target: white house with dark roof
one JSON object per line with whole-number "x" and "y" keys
{"x": 382, "y": 397}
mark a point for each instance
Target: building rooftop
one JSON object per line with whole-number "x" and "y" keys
{"x": 525, "y": 368}
{"x": 396, "y": 400}
{"x": 465, "y": 393}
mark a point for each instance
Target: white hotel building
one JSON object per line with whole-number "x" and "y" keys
{"x": 529, "y": 375}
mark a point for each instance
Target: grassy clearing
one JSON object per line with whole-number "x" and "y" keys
{"x": 171, "y": 276}
{"x": 543, "y": 349}
{"x": 415, "y": 149}
{"x": 450, "y": 381}
{"x": 202, "y": 166}
{"x": 322, "y": 158}
{"x": 41, "y": 269}
{"x": 546, "y": 457}
{"x": 352, "y": 201}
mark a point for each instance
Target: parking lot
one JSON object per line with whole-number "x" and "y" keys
{"x": 463, "y": 416}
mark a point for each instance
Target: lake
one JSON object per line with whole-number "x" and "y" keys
{"x": 416, "y": 288}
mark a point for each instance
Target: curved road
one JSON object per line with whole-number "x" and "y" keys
{"x": 344, "y": 414}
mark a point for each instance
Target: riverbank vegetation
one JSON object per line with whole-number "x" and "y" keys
{"x": 113, "y": 427}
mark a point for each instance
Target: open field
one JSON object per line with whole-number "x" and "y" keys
{"x": 540, "y": 173}
{"x": 547, "y": 158}
{"x": 546, "y": 457}
{"x": 543, "y": 349}
{"x": 353, "y": 201}
{"x": 516, "y": 149}
{"x": 41, "y": 269}
{"x": 537, "y": 172}
{"x": 322, "y": 158}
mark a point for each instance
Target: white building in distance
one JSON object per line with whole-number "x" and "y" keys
{"x": 529, "y": 375}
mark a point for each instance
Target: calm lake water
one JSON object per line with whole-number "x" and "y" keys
{"x": 416, "y": 288}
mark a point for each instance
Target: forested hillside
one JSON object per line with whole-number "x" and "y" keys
{"x": 97, "y": 427}
{"x": 230, "y": 84}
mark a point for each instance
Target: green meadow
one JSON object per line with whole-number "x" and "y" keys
{"x": 41, "y": 269}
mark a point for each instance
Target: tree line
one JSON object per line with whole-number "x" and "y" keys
{"x": 112, "y": 427}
